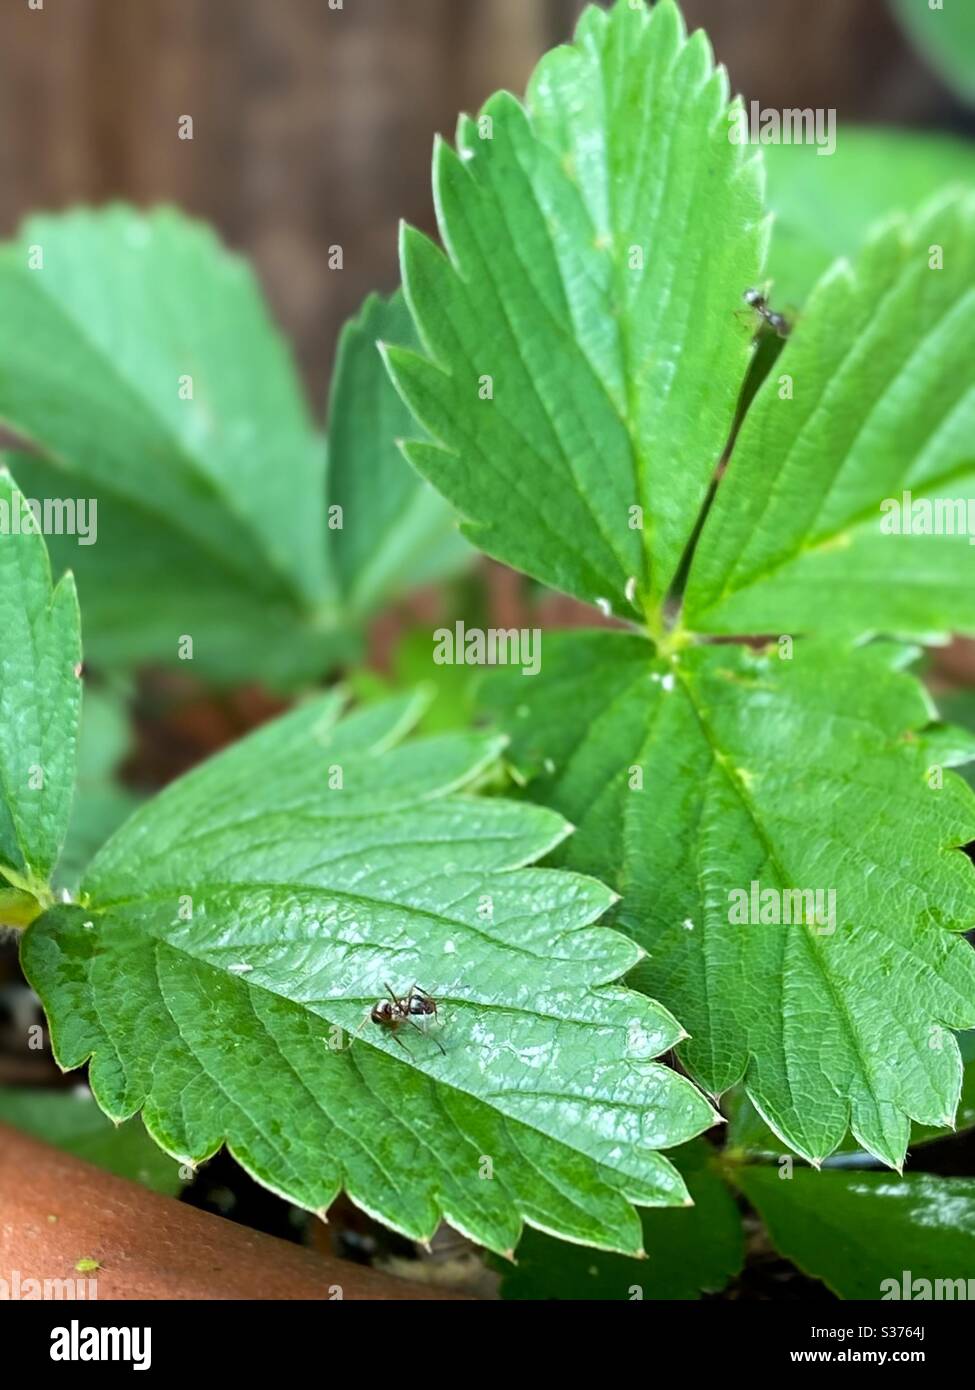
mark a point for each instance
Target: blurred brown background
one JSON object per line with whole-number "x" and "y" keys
{"x": 313, "y": 125}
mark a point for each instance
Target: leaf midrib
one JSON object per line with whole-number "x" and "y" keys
{"x": 246, "y": 984}
{"x": 316, "y": 890}
{"x": 736, "y": 580}
{"x": 723, "y": 761}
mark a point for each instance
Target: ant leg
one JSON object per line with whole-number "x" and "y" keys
{"x": 402, "y": 1044}
{"x": 433, "y": 1038}
{"x": 395, "y": 999}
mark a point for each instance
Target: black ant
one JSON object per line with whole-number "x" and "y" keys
{"x": 758, "y": 301}
{"x": 415, "y": 1008}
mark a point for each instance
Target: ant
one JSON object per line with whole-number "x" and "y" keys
{"x": 758, "y": 301}
{"x": 416, "y": 1008}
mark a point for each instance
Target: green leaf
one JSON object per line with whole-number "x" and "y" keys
{"x": 693, "y": 778}
{"x": 144, "y": 589}
{"x": 749, "y": 1132}
{"x": 825, "y": 207}
{"x": 687, "y": 1251}
{"x": 18, "y": 907}
{"x": 40, "y": 699}
{"x": 100, "y": 803}
{"x": 74, "y": 1123}
{"x": 207, "y": 504}
{"x": 959, "y": 705}
{"x": 946, "y": 37}
{"x": 451, "y": 702}
{"x": 396, "y": 532}
{"x": 599, "y": 240}
{"x": 861, "y": 1233}
{"x": 965, "y": 1114}
{"x": 239, "y": 927}
{"x": 797, "y": 539}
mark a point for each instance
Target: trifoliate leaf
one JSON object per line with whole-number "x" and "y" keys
{"x": 237, "y": 930}
{"x": 694, "y": 780}
{"x": 396, "y": 532}
{"x": 75, "y": 1123}
{"x": 689, "y": 1251}
{"x": 583, "y": 330}
{"x": 869, "y": 1235}
{"x": 40, "y": 698}
{"x": 849, "y": 502}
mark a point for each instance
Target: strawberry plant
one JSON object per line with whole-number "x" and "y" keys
{"x": 692, "y": 769}
{"x": 707, "y": 865}
{"x": 215, "y": 965}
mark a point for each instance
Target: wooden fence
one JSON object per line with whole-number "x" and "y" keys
{"x": 313, "y": 125}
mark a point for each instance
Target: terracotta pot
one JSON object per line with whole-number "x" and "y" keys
{"x": 56, "y": 1211}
